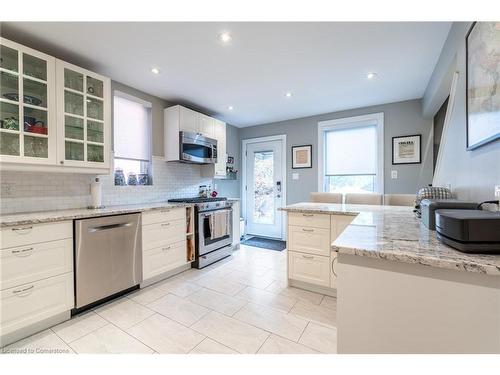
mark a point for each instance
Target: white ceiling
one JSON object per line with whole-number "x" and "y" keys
{"x": 324, "y": 65}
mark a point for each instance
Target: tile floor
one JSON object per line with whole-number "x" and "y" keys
{"x": 239, "y": 305}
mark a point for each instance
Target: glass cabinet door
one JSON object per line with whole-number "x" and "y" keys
{"x": 83, "y": 116}
{"x": 24, "y": 104}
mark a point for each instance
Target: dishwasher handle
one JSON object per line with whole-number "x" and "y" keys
{"x": 110, "y": 226}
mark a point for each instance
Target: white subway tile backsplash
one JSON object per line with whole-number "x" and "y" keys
{"x": 34, "y": 191}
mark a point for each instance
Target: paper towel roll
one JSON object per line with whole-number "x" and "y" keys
{"x": 96, "y": 193}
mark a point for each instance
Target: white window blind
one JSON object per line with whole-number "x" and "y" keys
{"x": 351, "y": 151}
{"x": 132, "y": 129}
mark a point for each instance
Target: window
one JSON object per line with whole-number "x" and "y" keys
{"x": 132, "y": 140}
{"x": 351, "y": 159}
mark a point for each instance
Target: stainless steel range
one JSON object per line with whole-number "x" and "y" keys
{"x": 213, "y": 229}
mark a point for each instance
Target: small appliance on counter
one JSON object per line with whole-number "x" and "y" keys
{"x": 469, "y": 231}
{"x": 428, "y": 209}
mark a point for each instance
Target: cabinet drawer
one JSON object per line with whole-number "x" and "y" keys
{"x": 25, "y": 264}
{"x": 309, "y": 220}
{"x": 308, "y": 268}
{"x": 31, "y": 303}
{"x": 309, "y": 240}
{"x": 35, "y": 233}
{"x": 163, "y": 259}
{"x": 160, "y": 234}
{"x": 166, "y": 214}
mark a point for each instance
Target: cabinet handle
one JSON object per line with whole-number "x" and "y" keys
{"x": 308, "y": 215}
{"x": 23, "y": 228}
{"x": 22, "y": 251}
{"x": 166, "y": 248}
{"x": 22, "y": 290}
{"x": 308, "y": 256}
{"x": 62, "y": 162}
{"x": 307, "y": 230}
{"x": 165, "y": 211}
{"x": 333, "y": 269}
{"x": 165, "y": 224}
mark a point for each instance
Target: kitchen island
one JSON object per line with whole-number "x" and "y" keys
{"x": 400, "y": 290}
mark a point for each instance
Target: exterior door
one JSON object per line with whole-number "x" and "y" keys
{"x": 264, "y": 188}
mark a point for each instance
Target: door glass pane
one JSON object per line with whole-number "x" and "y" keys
{"x": 94, "y": 87}
{"x": 74, "y": 151}
{"x": 95, "y": 131}
{"x": 35, "y": 93}
{"x": 9, "y": 87}
{"x": 9, "y": 116}
{"x": 73, "y": 103}
{"x": 95, "y": 153}
{"x": 73, "y": 80}
{"x": 8, "y": 58}
{"x": 73, "y": 127}
{"x": 35, "y": 121}
{"x": 36, "y": 147}
{"x": 263, "y": 212}
{"x": 95, "y": 109}
{"x": 9, "y": 144}
{"x": 34, "y": 67}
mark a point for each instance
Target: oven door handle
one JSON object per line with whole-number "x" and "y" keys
{"x": 203, "y": 214}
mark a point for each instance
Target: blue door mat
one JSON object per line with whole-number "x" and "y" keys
{"x": 265, "y": 243}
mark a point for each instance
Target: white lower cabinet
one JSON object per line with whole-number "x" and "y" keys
{"x": 310, "y": 240}
{"x": 310, "y": 256}
{"x": 36, "y": 278}
{"x": 164, "y": 243}
{"x": 31, "y": 303}
{"x": 159, "y": 234}
{"x": 163, "y": 259}
{"x": 25, "y": 264}
{"x": 312, "y": 269}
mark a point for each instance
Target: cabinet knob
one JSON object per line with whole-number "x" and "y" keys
{"x": 62, "y": 162}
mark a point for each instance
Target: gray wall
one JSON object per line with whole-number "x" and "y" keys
{"x": 402, "y": 118}
{"x": 471, "y": 174}
{"x": 231, "y": 188}
{"x": 157, "y": 106}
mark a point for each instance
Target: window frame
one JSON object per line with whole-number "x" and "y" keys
{"x": 349, "y": 123}
{"x": 146, "y": 165}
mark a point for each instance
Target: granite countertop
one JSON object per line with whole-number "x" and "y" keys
{"x": 394, "y": 233}
{"x": 81, "y": 213}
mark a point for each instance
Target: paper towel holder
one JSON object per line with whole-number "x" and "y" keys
{"x": 95, "y": 195}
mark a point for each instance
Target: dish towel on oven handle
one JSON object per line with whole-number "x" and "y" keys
{"x": 219, "y": 224}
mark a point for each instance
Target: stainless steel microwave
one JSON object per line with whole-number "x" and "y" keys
{"x": 197, "y": 149}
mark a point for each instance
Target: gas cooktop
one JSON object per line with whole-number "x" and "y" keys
{"x": 197, "y": 200}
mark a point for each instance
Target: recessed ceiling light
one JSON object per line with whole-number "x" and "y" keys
{"x": 155, "y": 70}
{"x": 371, "y": 75}
{"x": 288, "y": 94}
{"x": 230, "y": 107}
{"x": 225, "y": 37}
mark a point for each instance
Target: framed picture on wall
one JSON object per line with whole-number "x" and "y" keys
{"x": 407, "y": 149}
{"x": 301, "y": 156}
{"x": 482, "y": 83}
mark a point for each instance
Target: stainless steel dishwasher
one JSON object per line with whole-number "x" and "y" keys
{"x": 108, "y": 257}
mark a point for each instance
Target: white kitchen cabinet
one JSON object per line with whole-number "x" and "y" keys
{"x": 83, "y": 117}
{"x": 220, "y": 136}
{"x": 31, "y": 303}
{"x": 54, "y": 116}
{"x": 312, "y": 269}
{"x": 27, "y": 105}
{"x": 36, "y": 278}
{"x": 178, "y": 118}
{"x": 311, "y": 260}
{"x": 164, "y": 242}
{"x": 236, "y": 224}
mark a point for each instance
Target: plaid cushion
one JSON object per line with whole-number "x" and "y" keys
{"x": 431, "y": 192}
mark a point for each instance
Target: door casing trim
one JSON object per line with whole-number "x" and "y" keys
{"x": 244, "y": 143}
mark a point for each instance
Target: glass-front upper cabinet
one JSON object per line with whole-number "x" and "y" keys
{"x": 27, "y": 105}
{"x": 84, "y": 121}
